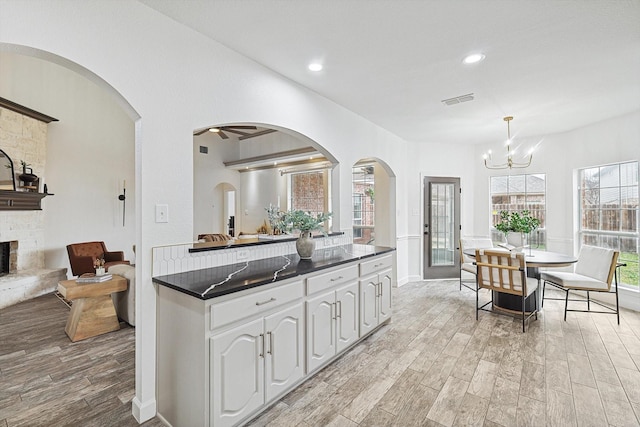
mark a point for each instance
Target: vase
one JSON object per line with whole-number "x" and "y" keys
{"x": 27, "y": 177}
{"x": 517, "y": 239}
{"x": 305, "y": 245}
{"x": 100, "y": 271}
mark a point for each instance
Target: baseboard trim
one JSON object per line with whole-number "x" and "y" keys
{"x": 143, "y": 411}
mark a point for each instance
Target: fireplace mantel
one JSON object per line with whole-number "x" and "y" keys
{"x": 21, "y": 200}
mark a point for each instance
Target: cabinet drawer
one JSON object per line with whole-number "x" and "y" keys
{"x": 248, "y": 305}
{"x": 376, "y": 264}
{"x": 332, "y": 278}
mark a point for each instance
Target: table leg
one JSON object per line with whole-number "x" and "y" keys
{"x": 90, "y": 317}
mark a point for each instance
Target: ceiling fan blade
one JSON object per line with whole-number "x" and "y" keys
{"x": 240, "y": 127}
{"x": 222, "y": 134}
{"x": 200, "y": 132}
{"x": 237, "y": 132}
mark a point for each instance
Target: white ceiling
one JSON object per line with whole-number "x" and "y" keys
{"x": 554, "y": 65}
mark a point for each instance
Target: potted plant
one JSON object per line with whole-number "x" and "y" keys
{"x": 305, "y": 222}
{"x": 515, "y": 225}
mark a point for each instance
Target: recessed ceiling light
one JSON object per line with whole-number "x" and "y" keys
{"x": 315, "y": 66}
{"x": 216, "y": 130}
{"x": 473, "y": 58}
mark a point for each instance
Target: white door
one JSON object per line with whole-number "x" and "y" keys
{"x": 347, "y": 322}
{"x": 368, "y": 304}
{"x": 385, "y": 280}
{"x": 284, "y": 363}
{"x": 321, "y": 342}
{"x": 237, "y": 373}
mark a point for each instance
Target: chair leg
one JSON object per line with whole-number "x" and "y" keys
{"x": 535, "y": 302}
{"x": 617, "y": 307}
{"x": 523, "y": 301}
{"x": 543, "y": 286}
{"x": 588, "y": 302}
{"x": 477, "y": 299}
{"x": 566, "y": 303}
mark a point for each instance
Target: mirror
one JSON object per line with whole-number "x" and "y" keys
{"x": 7, "y": 174}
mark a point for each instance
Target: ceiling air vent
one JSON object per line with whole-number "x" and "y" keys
{"x": 458, "y": 99}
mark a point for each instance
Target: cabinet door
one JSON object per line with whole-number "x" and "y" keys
{"x": 347, "y": 319}
{"x": 368, "y": 304}
{"x": 321, "y": 342}
{"x": 385, "y": 280}
{"x": 237, "y": 373}
{"x": 284, "y": 362}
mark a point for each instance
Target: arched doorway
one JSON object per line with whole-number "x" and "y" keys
{"x": 374, "y": 200}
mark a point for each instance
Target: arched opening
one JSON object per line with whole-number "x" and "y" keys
{"x": 374, "y": 196}
{"x": 267, "y": 166}
{"x": 87, "y": 162}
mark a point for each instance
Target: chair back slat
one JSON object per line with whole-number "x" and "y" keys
{"x": 501, "y": 271}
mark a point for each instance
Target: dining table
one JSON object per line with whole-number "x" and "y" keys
{"x": 534, "y": 259}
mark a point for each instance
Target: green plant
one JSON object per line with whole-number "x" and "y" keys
{"x": 517, "y": 222}
{"x": 305, "y": 221}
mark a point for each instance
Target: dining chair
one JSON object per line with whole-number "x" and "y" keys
{"x": 505, "y": 272}
{"x": 594, "y": 272}
{"x": 467, "y": 264}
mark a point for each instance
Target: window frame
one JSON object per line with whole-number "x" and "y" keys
{"x": 539, "y": 237}
{"x": 600, "y": 235}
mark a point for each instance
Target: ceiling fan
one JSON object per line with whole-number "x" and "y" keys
{"x": 220, "y": 130}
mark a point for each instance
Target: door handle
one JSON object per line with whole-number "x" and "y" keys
{"x": 261, "y": 348}
{"x": 270, "y": 341}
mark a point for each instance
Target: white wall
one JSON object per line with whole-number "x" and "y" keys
{"x": 89, "y": 153}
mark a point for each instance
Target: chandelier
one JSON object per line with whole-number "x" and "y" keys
{"x": 510, "y": 162}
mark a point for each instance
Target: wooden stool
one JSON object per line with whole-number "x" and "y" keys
{"x": 92, "y": 311}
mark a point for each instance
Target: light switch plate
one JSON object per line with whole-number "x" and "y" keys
{"x": 162, "y": 213}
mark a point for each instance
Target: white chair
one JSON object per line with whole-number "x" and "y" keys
{"x": 467, "y": 263}
{"x": 505, "y": 272}
{"x": 594, "y": 272}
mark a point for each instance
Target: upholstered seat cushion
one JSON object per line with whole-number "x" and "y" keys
{"x": 574, "y": 281}
{"x": 469, "y": 267}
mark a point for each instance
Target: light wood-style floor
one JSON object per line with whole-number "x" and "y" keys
{"x": 433, "y": 365}
{"x": 46, "y": 380}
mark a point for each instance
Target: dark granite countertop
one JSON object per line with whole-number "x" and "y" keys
{"x": 216, "y": 281}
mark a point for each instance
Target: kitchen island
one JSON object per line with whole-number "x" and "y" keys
{"x": 233, "y": 339}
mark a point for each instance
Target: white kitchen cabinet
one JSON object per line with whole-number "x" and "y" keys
{"x": 223, "y": 360}
{"x": 375, "y": 293}
{"x": 255, "y": 362}
{"x": 332, "y": 324}
{"x": 237, "y": 367}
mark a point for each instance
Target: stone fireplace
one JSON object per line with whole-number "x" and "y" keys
{"x": 23, "y": 138}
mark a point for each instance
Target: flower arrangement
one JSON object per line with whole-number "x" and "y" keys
{"x": 98, "y": 263}
{"x": 517, "y": 222}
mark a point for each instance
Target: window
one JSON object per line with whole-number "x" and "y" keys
{"x": 357, "y": 215}
{"x": 516, "y": 193}
{"x": 309, "y": 191}
{"x": 609, "y": 213}
{"x": 363, "y": 193}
